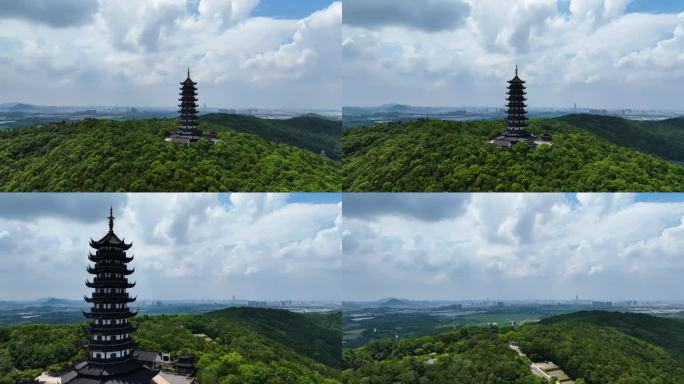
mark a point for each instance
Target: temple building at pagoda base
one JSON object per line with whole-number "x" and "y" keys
{"x": 188, "y": 139}
{"x": 131, "y": 371}
{"x": 507, "y": 140}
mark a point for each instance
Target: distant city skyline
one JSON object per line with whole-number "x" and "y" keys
{"x": 186, "y": 246}
{"x": 243, "y": 53}
{"x": 595, "y": 53}
{"x": 513, "y": 246}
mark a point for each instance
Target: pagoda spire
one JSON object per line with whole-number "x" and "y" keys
{"x": 111, "y": 220}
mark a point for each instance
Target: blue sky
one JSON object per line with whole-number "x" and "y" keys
{"x": 641, "y": 6}
{"x": 305, "y": 198}
{"x": 289, "y": 9}
{"x": 279, "y": 9}
{"x": 656, "y": 6}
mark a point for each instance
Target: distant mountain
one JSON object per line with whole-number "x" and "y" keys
{"x": 53, "y": 301}
{"x": 311, "y": 132}
{"x": 393, "y": 302}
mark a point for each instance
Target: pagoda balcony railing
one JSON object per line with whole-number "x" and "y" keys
{"x": 124, "y": 343}
{"x": 107, "y": 348}
{"x": 102, "y": 257}
{"x": 109, "y": 298}
{"x": 115, "y": 360}
{"x": 109, "y": 314}
{"x": 121, "y": 268}
{"x": 117, "y": 329}
{"x": 110, "y": 283}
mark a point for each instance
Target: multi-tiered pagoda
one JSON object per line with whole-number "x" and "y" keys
{"x": 516, "y": 118}
{"x": 188, "y": 107}
{"x": 111, "y": 350}
{"x": 188, "y": 131}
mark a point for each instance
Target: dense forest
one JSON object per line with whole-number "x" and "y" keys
{"x": 591, "y": 347}
{"x": 310, "y": 132}
{"x": 254, "y": 346}
{"x": 664, "y": 138}
{"x": 435, "y": 155}
{"x": 466, "y": 356}
{"x": 605, "y": 347}
{"x": 105, "y": 155}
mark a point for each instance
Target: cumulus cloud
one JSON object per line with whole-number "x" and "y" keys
{"x": 135, "y": 52}
{"x": 185, "y": 245}
{"x": 591, "y": 52}
{"x": 55, "y": 13}
{"x": 518, "y": 246}
{"x": 428, "y": 15}
{"x": 314, "y": 43}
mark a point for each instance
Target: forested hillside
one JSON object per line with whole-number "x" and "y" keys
{"x": 664, "y": 138}
{"x": 465, "y": 356}
{"x": 604, "y": 347}
{"x": 105, "y": 155}
{"x": 591, "y": 347}
{"x": 237, "y": 350}
{"x": 310, "y": 132}
{"x": 434, "y": 155}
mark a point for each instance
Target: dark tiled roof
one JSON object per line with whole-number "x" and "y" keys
{"x": 109, "y": 240}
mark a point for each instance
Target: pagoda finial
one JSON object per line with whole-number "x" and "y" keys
{"x": 111, "y": 220}
{"x": 188, "y": 72}
{"x": 516, "y": 70}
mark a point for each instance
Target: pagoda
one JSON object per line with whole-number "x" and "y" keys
{"x": 112, "y": 356}
{"x": 516, "y": 118}
{"x": 188, "y": 132}
{"x": 188, "y": 108}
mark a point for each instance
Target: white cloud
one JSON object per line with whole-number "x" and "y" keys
{"x": 594, "y": 55}
{"x": 252, "y": 245}
{"x": 136, "y": 52}
{"x": 516, "y": 246}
